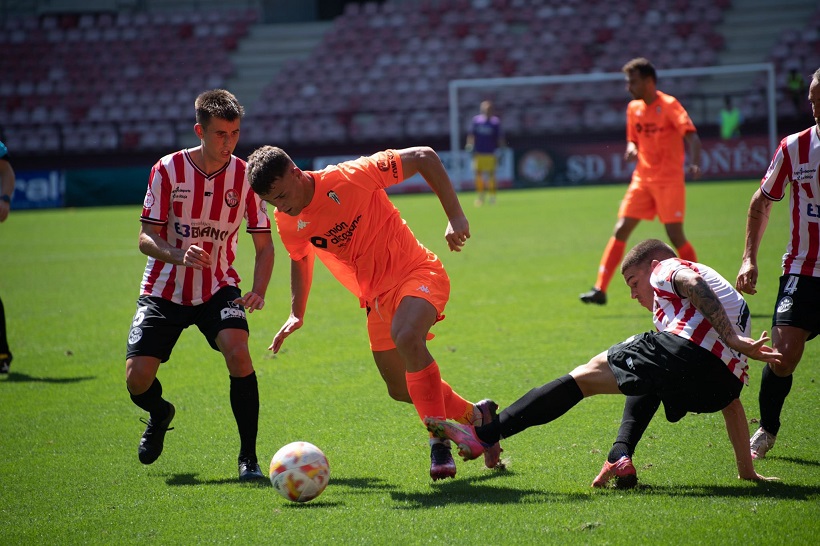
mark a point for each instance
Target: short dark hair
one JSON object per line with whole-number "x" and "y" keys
{"x": 266, "y": 165}
{"x": 643, "y": 66}
{"x": 217, "y": 103}
{"x": 646, "y": 251}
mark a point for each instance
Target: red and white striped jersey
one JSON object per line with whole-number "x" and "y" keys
{"x": 203, "y": 210}
{"x": 676, "y": 314}
{"x": 796, "y": 161}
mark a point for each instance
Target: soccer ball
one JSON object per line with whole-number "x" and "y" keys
{"x": 299, "y": 471}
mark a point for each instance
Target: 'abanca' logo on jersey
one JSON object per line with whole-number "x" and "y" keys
{"x": 338, "y": 235}
{"x": 200, "y": 232}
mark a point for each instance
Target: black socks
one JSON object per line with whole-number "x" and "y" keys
{"x": 245, "y": 406}
{"x": 539, "y": 406}
{"x": 773, "y": 392}
{"x": 152, "y": 402}
{"x": 4, "y": 344}
{"x": 638, "y": 412}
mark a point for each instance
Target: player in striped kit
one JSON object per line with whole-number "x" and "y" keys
{"x": 797, "y": 309}
{"x": 193, "y": 208}
{"x": 694, "y": 362}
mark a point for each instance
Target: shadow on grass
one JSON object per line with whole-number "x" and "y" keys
{"x": 472, "y": 491}
{"x": 188, "y": 479}
{"x": 17, "y": 377}
{"x": 795, "y": 460}
{"x": 769, "y": 490}
{"x": 361, "y": 485}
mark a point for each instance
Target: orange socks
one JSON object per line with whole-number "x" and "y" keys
{"x": 425, "y": 390}
{"x": 455, "y": 407}
{"x": 613, "y": 253}
{"x": 433, "y": 397}
{"x": 687, "y": 252}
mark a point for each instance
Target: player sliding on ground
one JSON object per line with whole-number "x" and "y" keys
{"x": 695, "y": 361}
{"x": 343, "y": 214}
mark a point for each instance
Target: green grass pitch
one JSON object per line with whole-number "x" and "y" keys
{"x": 69, "y": 473}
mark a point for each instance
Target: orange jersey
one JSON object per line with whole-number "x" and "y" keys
{"x": 658, "y": 129}
{"x": 354, "y": 228}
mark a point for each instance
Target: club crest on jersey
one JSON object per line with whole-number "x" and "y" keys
{"x": 232, "y": 198}
{"x": 332, "y": 195}
{"x": 784, "y": 304}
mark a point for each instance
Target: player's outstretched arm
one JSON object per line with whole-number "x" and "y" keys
{"x": 691, "y": 285}
{"x": 426, "y": 162}
{"x": 738, "y": 430}
{"x": 756, "y": 221}
{"x": 301, "y": 278}
{"x": 756, "y": 348}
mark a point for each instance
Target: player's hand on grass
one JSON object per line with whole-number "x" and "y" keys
{"x": 747, "y": 279}
{"x": 291, "y": 325}
{"x": 457, "y": 233}
{"x": 755, "y": 477}
{"x": 251, "y": 301}
{"x": 196, "y": 257}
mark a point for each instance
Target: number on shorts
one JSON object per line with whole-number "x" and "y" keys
{"x": 139, "y": 316}
{"x": 791, "y": 285}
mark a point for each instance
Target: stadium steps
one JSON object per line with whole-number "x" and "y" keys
{"x": 751, "y": 28}
{"x": 261, "y": 54}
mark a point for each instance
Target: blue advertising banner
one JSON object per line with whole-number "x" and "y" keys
{"x": 38, "y": 190}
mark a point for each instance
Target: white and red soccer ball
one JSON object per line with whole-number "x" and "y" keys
{"x": 299, "y": 471}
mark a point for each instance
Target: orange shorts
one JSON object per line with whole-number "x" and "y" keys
{"x": 429, "y": 282}
{"x": 645, "y": 201}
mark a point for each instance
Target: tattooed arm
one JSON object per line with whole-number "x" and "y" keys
{"x": 692, "y": 286}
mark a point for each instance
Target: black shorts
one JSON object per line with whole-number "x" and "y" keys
{"x": 798, "y": 303}
{"x": 685, "y": 376}
{"x": 158, "y": 323}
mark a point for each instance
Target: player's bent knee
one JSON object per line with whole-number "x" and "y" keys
{"x": 238, "y": 360}
{"x": 138, "y": 379}
{"x": 785, "y": 368}
{"x": 399, "y": 395}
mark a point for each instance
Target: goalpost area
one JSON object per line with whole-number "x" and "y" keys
{"x": 570, "y": 129}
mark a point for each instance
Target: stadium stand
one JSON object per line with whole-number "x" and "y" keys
{"x": 108, "y": 81}
{"x": 382, "y": 70}
{"x": 123, "y": 80}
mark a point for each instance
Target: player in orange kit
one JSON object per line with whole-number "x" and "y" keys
{"x": 656, "y": 128}
{"x": 343, "y": 215}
